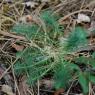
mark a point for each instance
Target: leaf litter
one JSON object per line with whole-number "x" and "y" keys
{"x": 72, "y": 13}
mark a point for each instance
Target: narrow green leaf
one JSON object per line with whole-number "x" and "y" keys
{"x": 92, "y": 78}
{"x": 84, "y": 83}
{"x": 76, "y": 38}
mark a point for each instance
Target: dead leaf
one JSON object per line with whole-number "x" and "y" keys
{"x": 17, "y": 47}
{"x": 83, "y": 18}
{"x": 7, "y": 89}
{"x": 59, "y": 91}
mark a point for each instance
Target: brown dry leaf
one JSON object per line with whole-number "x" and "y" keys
{"x": 7, "y": 89}
{"x": 17, "y": 47}
{"x": 59, "y": 91}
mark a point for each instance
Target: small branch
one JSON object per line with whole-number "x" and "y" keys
{"x": 86, "y": 48}
{"x": 75, "y": 12}
{"x": 38, "y": 88}
{"x": 12, "y": 35}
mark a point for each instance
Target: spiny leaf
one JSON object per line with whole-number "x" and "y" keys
{"x": 85, "y": 60}
{"x": 50, "y": 19}
{"x": 33, "y": 63}
{"x": 93, "y": 55}
{"x": 62, "y": 75}
{"x": 92, "y": 78}
{"x": 76, "y": 38}
{"x": 51, "y": 23}
{"x": 28, "y": 30}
